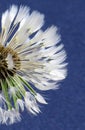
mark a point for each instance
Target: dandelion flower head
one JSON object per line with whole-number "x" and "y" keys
{"x": 28, "y": 56}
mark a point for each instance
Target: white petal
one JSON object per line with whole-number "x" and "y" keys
{"x": 20, "y": 104}
{"x": 22, "y": 13}
{"x": 12, "y": 12}
{"x": 10, "y": 116}
{"x": 40, "y": 98}
{"x": 4, "y": 17}
{"x": 58, "y": 75}
{"x": 36, "y": 21}
{"x": 51, "y": 37}
{"x": 31, "y": 103}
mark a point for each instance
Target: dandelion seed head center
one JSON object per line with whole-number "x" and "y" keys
{"x": 9, "y": 62}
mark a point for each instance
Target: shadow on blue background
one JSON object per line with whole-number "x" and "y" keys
{"x": 66, "y": 108}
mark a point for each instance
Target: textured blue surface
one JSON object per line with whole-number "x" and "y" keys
{"x": 66, "y": 108}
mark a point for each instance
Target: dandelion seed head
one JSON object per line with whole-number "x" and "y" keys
{"x": 28, "y": 55}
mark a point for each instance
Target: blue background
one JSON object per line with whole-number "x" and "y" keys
{"x": 66, "y": 108}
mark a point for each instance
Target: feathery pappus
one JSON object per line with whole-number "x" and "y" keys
{"x": 28, "y": 56}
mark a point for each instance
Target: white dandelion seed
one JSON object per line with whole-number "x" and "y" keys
{"x": 31, "y": 104}
{"x": 27, "y": 55}
{"x": 40, "y": 98}
{"x": 20, "y": 104}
